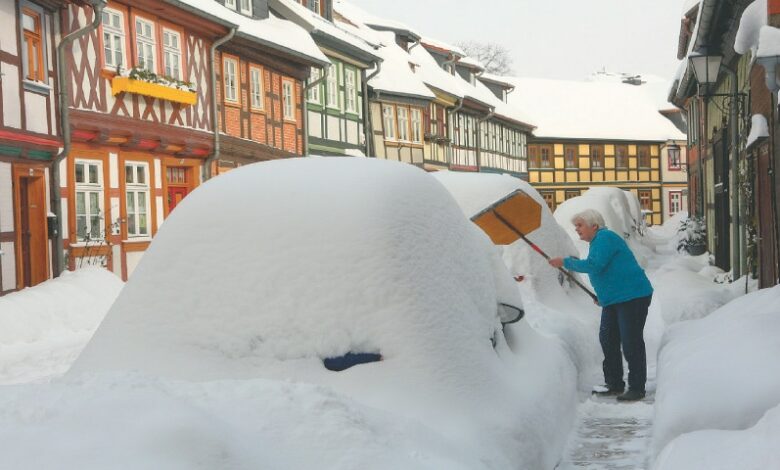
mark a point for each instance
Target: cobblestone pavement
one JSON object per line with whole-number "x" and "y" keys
{"x": 610, "y": 436}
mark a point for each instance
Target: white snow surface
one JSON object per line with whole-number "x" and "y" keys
{"x": 333, "y": 255}
{"x": 720, "y": 373}
{"x": 283, "y": 33}
{"x": 758, "y": 128}
{"x": 592, "y": 110}
{"x": 768, "y": 42}
{"x": 753, "y": 19}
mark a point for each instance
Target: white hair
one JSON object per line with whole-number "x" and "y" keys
{"x": 590, "y": 217}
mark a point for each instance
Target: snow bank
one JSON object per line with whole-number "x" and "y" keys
{"x": 719, "y": 372}
{"x": 73, "y": 303}
{"x": 756, "y": 448}
{"x": 331, "y": 256}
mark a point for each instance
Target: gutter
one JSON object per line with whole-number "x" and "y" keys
{"x": 64, "y": 98}
{"x": 479, "y": 137}
{"x": 369, "y": 125}
{"x": 214, "y": 118}
{"x": 306, "y": 89}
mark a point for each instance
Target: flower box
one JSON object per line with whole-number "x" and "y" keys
{"x": 121, "y": 84}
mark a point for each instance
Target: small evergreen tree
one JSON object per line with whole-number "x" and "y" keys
{"x": 692, "y": 236}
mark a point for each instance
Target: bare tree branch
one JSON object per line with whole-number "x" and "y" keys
{"x": 494, "y": 57}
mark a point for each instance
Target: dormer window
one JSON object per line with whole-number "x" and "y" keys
{"x": 246, "y": 7}
{"x": 231, "y": 4}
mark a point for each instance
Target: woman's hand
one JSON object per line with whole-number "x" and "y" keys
{"x": 556, "y": 262}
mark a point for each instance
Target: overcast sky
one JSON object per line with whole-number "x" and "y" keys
{"x": 566, "y": 39}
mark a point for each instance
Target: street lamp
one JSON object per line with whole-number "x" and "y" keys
{"x": 706, "y": 68}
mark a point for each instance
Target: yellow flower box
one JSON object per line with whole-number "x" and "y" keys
{"x": 155, "y": 90}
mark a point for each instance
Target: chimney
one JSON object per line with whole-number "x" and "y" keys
{"x": 773, "y": 12}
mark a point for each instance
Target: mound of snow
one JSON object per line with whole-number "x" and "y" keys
{"x": 264, "y": 271}
{"x": 719, "y": 372}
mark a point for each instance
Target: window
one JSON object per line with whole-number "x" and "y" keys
{"x": 288, "y": 100}
{"x": 596, "y": 156}
{"x": 533, "y": 156}
{"x": 246, "y": 6}
{"x": 350, "y": 90}
{"x": 113, "y": 39}
{"x": 229, "y": 67}
{"x": 644, "y": 157}
{"x": 674, "y": 158}
{"x": 230, "y": 4}
{"x": 549, "y": 198}
{"x": 32, "y": 44}
{"x": 675, "y": 202}
{"x": 137, "y": 198}
{"x": 145, "y": 43}
{"x": 256, "y": 84}
{"x": 693, "y": 123}
{"x": 314, "y": 5}
{"x": 570, "y": 193}
{"x": 544, "y": 154}
{"x": 314, "y": 92}
{"x": 403, "y": 123}
{"x": 570, "y": 156}
{"x": 621, "y": 156}
{"x": 416, "y": 125}
{"x": 388, "y": 117}
{"x": 333, "y": 87}
{"x": 172, "y": 53}
{"x": 89, "y": 199}
{"x": 646, "y": 199}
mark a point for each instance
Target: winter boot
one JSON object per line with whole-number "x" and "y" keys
{"x": 631, "y": 395}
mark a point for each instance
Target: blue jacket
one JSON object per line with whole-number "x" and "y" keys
{"x": 612, "y": 269}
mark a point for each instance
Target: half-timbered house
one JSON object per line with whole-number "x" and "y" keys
{"x": 140, "y": 116}
{"x": 29, "y": 140}
{"x": 261, "y": 75}
{"x": 335, "y": 98}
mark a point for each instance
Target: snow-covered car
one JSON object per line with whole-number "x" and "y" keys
{"x": 265, "y": 272}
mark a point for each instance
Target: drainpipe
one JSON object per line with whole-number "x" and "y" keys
{"x": 64, "y": 98}
{"x": 451, "y": 124}
{"x": 368, "y": 126}
{"x": 214, "y": 113}
{"x": 479, "y": 137}
{"x": 736, "y": 258}
{"x": 306, "y": 109}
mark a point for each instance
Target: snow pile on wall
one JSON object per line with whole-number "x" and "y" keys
{"x": 755, "y": 448}
{"x": 753, "y": 19}
{"x": 72, "y": 303}
{"x": 758, "y": 128}
{"x": 719, "y": 372}
{"x": 261, "y": 273}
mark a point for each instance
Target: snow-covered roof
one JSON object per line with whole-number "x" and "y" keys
{"x": 442, "y": 46}
{"x": 316, "y": 24}
{"x": 470, "y": 63}
{"x": 753, "y": 19}
{"x": 489, "y": 77}
{"x": 592, "y": 110}
{"x": 688, "y": 5}
{"x": 272, "y": 32}
{"x": 354, "y": 13}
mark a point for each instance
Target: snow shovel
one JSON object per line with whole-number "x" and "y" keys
{"x": 511, "y": 218}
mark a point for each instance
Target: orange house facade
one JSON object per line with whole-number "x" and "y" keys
{"x": 138, "y": 146}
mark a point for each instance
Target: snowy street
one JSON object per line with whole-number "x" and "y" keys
{"x": 176, "y": 364}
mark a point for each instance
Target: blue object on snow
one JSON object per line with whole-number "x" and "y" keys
{"x": 349, "y": 359}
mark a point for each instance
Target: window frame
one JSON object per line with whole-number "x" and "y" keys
{"x": 669, "y": 153}
{"x": 402, "y": 136}
{"x": 389, "y": 119}
{"x": 621, "y": 157}
{"x": 597, "y": 157}
{"x": 288, "y": 101}
{"x": 416, "y": 125}
{"x": 549, "y": 198}
{"x": 350, "y": 92}
{"x": 315, "y": 90}
{"x": 259, "y": 91}
{"x": 236, "y": 100}
{"x": 87, "y": 188}
{"x": 533, "y": 157}
{"x": 574, "y": 163}
{"x": 139, "y": 40}
{"x": 169, "y": 50}
{"x": 135, "y": 188}
{"x": 647, "y": 157}
{"x": 121, "y": 34}
{"x": 332, "y": 80}
{"x": 649, "y": 194}
{"x": 232, "y": 4}
{"x": 245, "y": 10}
{"x": 545, "y": 162}
{"x": 671, "y": 202}
{"x": 312, "y": 4}
{"x": 34, "y": 69}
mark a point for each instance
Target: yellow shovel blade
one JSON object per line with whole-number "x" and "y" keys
{"x": 518, "y": 212}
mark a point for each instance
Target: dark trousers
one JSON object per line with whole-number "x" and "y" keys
{"x": 623, "y": 324}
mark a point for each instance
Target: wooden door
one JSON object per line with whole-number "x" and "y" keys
{"x": 722, "y": 211}
{"x": 175, "y": 195}
{"x": 31, "y": 233}
{"x": 177, "y": 179}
